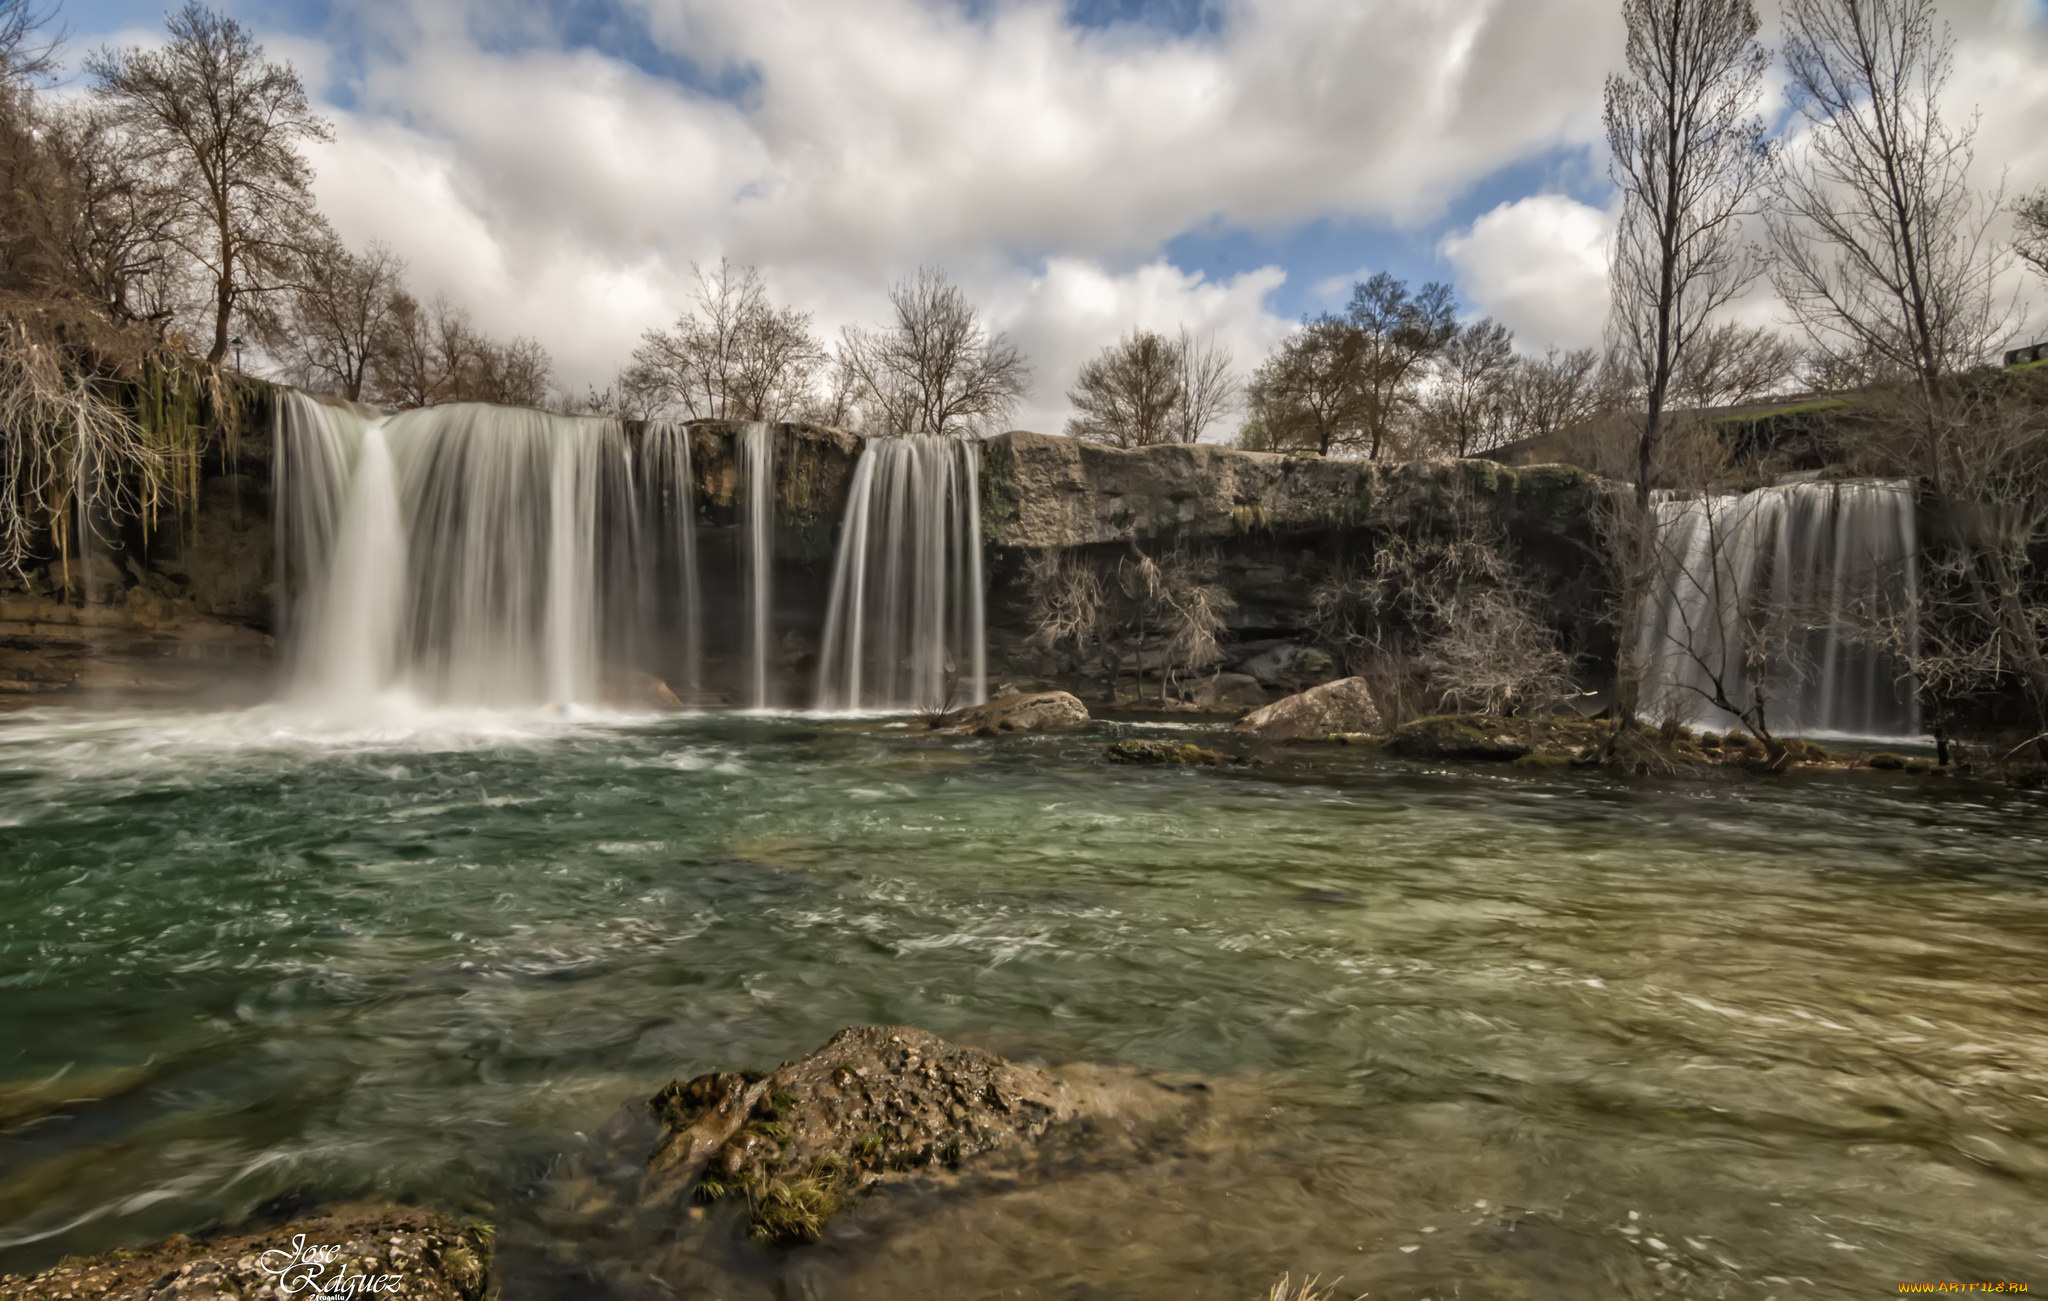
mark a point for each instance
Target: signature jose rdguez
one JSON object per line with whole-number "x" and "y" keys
{"x": 316, "y": 1270}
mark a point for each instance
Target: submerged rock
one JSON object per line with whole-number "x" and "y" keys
{"x": 878, "y": 1102}
{"x": 372, "y": 1252}
{"x": 1026, "y": 711}
{"x": 1335, "y": 708}
{"x": 1182, "y": 752}
{"x": 1459, "y": 736}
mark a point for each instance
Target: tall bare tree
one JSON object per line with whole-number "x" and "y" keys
{"x": 1882, "y": 246}
{"x": 230, "y": 123}
{"x": 1688, "y": 156}
{"x": 733, "y": 355}
{"x": 119, "y": 221}
{"x": 937, "y": 369}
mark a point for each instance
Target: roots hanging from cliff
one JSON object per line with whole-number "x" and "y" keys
{"x": 96, "y": 430}
{"x": 1170, "y": 611}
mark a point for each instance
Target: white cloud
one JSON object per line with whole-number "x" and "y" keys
{"x": 1539, "y": 266}
{"x": 564, "y": 193}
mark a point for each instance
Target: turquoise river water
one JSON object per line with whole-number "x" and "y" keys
{"x": 1472, "y": 1033}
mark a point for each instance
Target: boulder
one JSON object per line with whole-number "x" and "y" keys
{"x": 381, "y": 1252}
{"x": 1478, "y": 737}
{"x": 1026, "y": 711}
{"x": 1292, "y": 667}
{"x": 875, "y": 1104}
{"x": 1181, "y": 752}
{"x": 1335, "y": 708}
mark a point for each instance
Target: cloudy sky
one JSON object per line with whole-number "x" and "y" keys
{"x": 1082, "y": 167}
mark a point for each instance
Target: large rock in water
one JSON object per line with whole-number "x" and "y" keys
{"x": 1026, "y": 711}
{"x": 876, "y": 1102}
{"x": 379, "y": 1252}
{"x": 1333, "y": 709}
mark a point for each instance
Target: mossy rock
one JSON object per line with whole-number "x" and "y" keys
{"x": 1164, "y": 752}
{"x": 1886, "y": 762}
{"x": 1472, "y": 737}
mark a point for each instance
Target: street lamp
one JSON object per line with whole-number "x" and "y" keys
{"x": 236, "y": 344}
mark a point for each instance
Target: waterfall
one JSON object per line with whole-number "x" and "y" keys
{"x": 756, "y": 454}
{"x": 904, "y": 626}
{"x": 480, "y": 555}
{"x": 1779, "y": 591}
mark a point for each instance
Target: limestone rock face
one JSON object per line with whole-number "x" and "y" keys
{"x": 1024, "y": 712}
{"x": 377, "y": 1252}
{"x": 798, "y": 1144}
{"x": 1226, "y": 693}
{"x": 1335, "y": 708}
{"x": 1293, "y": 667}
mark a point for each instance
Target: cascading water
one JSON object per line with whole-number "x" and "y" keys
{"x": 1778, "y": 593}
{"x": 756, "y": 454}
{"x": 904, "y": 628}
{"x": 481, "y": 555}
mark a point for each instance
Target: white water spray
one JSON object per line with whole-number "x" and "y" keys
{"x": 905, "y": 626}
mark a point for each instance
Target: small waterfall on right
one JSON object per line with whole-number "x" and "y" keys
{"x": 1779, "y": 593}
{"x": 905, "y": 627}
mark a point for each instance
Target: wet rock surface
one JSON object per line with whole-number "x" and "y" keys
{"x": 367, "y": 1252}
{"x": 1472, "y": 737}
{"x": 1164, "y": 752}
{"x": 1022, "y": 713}
{"x": 877, "y": 1104}
{"x": 1344, "y": 707}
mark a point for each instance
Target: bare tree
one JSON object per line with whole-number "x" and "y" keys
{"x": 1468, "y": 408}
{"x": 938, "y": 369}
{"x": 734, "y": 355}
{"x": 1688, "y": 155}
{"x": 208, "y": 106}
{"x": 1548, "y": 394}
{"x": 1733, "y": 364}
{"x": 1440, "y": 616}
{"x": 1883, "y": 248}
{"x": 328, "y": 328}
{"x": 430, "y": 354}
{"x": 1146, "y": 388}
{"x": 1208, "y": 388}
{"x": 119, "y": 220}
{"x": 1307, "y": 395}
{"x": 1128, "y": 394}
{"x": 1399, "y": 334}
{"x": 28, "y": 47}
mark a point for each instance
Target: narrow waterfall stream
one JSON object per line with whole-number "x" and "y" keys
{"x": 757, "y": 528}
{"x": 1786, "y": 593}
{"x": 904, "y": 629}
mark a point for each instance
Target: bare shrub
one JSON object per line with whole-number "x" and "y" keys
{"x": 1440, "y": 615}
